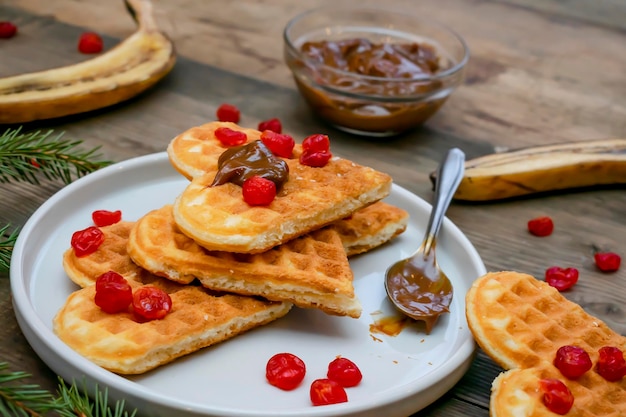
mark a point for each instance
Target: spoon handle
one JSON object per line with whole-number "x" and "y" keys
{"x": 449, "y": 175}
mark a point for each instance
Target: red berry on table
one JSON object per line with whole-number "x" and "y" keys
{"x": 541, "y": 226}
{"x": 280, "y": 145}
{"x": 345, "y": 372}
{"x": 561, "y": 278}
{"x": 103, "y": 218}
{"x": 151, "y": 303}
{"x": 228, "y": 113}
{"x": 230, "y": 137}
{"x": 572, "y": 361}
{"x": 607, "y": 261}
{"x": 113, "y": 293}
{"x": 7, "y": 30}
{"x": 556, "y": 396}
{"x": 611, "y": 364}
{"x": 90, "y": 43}
{"x": 86, "y": 241}
{"x": 285, "y": 371}
{"x": 258, "y": 191}
{"x": 272, "y": 124}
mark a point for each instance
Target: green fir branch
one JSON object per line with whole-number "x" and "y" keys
{"x": 7, "y": 242}
{"x": 28, "y": 156}
{"x": 29, "y": 400}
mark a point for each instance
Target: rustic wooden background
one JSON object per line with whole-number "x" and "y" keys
{"x": 541, "y": 71}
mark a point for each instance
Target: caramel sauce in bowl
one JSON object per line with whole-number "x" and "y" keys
{"x": 373, "y": 72}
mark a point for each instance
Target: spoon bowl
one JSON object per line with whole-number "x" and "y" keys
{"x": 416, "y": 285}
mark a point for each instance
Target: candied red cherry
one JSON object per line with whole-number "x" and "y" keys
{"x": 230, "y": 137}
{"x": 315, "y": 159}
{"x": 345, "y": 372}
{"x": 541, "y": 226}
{"x": 607, "y": 261}
{"x": 611, "y": 364}
{"x": 327, "y": 391}
{"x": 103, "y": 218}
{"x": 113, "y": 293}
{"x": 272, "y": 124}
{"x": 556, "y": 396}
{"x": 285, "y": 371}
{"x": 572, "y": 361}
{"x": 90, "y": 43}
{"x": 7, "y": 30}
{"x": 151, "y": 303}
{"x": 316, "y": 143}
{"x": 280, "y": 144}
{"x": 561, "y": 278}
{"x": 87, "y": 241}
{"x": 258, "y": 191}
{"x": 228, "y": 113}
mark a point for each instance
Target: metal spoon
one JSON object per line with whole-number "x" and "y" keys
{"x": 416, "y": 285}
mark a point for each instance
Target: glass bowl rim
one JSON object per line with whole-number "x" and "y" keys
{"x": 458, "y": 66}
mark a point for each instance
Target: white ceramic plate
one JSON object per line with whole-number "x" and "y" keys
{"x": 402, "y": 374}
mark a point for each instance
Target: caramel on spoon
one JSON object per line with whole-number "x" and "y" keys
{"x": 416, "y": 285}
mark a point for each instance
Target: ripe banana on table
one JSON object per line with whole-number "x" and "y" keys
{"x": 542, "y": 169}
{"x": 131, "y": 67}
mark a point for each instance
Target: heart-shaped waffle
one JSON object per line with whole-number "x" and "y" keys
{"x": 521, "y": 322}
{"x": 121, "y": 343}
{"x": 218, "y": 218}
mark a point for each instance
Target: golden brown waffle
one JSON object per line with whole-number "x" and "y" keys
{"x": 521, "y": 322}
{"x": 119, "y": 343}
{"x": 195, "y": 150}
{"x": 219, "y": 219}
{"x": 371, "y": 227}
{"x": 111, "y": 256}
{"x": 311, "y": 271}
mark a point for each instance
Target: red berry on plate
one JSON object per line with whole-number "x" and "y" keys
{"x": 7, "y": 30}
{"x": 103, "y": 218}
{"x": 280, "y": 145}
{"x": 113, "y": 293}
{"x": 572, "y": 361}
{"x": 272, "y": 124}
{"x": 228, "y": 113}
{"x": 345, "y": 372}
{"x": 285, "y": 371}
{"x": 90, "y": 43}
{"x": 230, "y": 137}
{"x": 556, "y": 396}
{"x": 611, "y": 364}
{"x": 258, "y": 191}
{"x": 561, "y": 278}
{"x": 151, "y": 303}
{"x": 607, "y": 261}
{"x": 327, "y": 391}
{"x": 86, "y": 241}
{"x": 541, "y": 226}
{"x": 316, "y": 143}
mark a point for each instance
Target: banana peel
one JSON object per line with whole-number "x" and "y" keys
{"x": 126, "y": 70}
{"x": 541, "y": 169}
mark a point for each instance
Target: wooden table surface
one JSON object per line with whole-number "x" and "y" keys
{"x": 541, "y": 71}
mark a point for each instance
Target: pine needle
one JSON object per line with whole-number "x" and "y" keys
{"x": 29, "y": 156}
{"x": 7, "y": 242}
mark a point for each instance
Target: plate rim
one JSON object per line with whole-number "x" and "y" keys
{"x": 34, "y": 328}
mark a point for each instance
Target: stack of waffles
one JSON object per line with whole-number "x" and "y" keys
{"x": 228, "y": 266}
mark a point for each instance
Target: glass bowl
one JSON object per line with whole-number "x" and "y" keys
{"x": 371, "y": 71}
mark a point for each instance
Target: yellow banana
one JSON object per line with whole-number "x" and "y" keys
{"x": 131, "y": 67}
{"x": 542, "y": 169}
